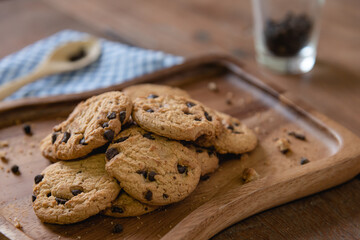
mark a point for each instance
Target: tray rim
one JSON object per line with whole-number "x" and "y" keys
{"x": 347, "y": 140}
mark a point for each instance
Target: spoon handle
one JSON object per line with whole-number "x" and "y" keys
{"x": 9, "y": 88}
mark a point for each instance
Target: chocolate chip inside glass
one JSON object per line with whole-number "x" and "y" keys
{"x": 286, "y": 34}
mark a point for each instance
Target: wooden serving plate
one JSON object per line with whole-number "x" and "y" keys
{"x": 218, "y": 202}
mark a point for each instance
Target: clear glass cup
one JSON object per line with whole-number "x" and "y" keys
{"x": 286, "y": 33}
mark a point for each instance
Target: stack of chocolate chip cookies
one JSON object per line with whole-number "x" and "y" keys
{"x": 127, "y": 153}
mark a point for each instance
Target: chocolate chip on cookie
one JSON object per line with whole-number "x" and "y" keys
{"x": 38, "y": 178}
{"x": 153, "y": 91}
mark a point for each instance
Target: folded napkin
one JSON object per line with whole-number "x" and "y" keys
{"x": 118, "y": 63}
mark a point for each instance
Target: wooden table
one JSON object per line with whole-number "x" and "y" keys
{"x": 195, "y": 27}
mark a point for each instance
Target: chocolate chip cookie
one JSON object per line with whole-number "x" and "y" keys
{"x": 126, "y": 206}
{"x": 174, "y": 117}
{"x": 234, "y": 137}
{"x": 92, "y": 124}
{"x": 152, "y": 169}
{"x": 153, "y": 90}
{"x": 71, "y": 191}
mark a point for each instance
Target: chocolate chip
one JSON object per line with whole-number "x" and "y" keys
{"x": 54, "y": 137}
{"x": 148, "y": 136}
{"x": 76, "y": 192}
{"x": 27, "y": 129}
{"x": 297, "y": 135}
{"x": 208, "y": 117}
{"x": 60, "y": 200}
{"x": 109, "y": 135}
{"x": 181, "y": 169}
{"x": 82, "y": 141}
{"x": 205, "y": 177}
{"x": 197, "y": 119}
{"x": 151, "y": 176}
{"x": 122, "y": 115}
{"x": 77, "y": 56}
{"x": 33, "y": 197}
{"x": 142, "y": 172}
{"x": 153, "y": 96}
{"x": 105, "y": 125}
{"x": 117, "y": 210}
{"x": 304, "y": 161}
{"x": 190, "y": 104}
{"x": 230, "y": 127}
{"x": 284, "y": 151}
{"x": 122, "y": 139}
{"x": 199, "y": 150}
{"x": 15, "y": 169}
{"x": 111, "y": 115}
{"x": 66, "y": 137}
{"x": 49, "y": 194}
{"x": 146, "y": 208}
{"x": 118, "y": 228}
{"x": 237, "y": 124}
{"x": 38, "y": 178}
{"x": 150, "y": 110}
{"x": 165, "y": 196}
{"x": 148, "y": 195}
{"x": 211, "y": 153}
{"x": 110, "y": 153}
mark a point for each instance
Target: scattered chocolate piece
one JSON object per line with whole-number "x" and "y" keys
{"x": 76, "y": 192}
{"x": 105, "y": 125}
{"x": 115, "y": 209}
{"x": 205, "y": 177}
{"x": 38, "y": 178}
{"x": 150, "y": 110}
{"x": 65, "y": 137}
{"x": 110, "y": 153}
{"x": 190, "y": 104}
{"x": 153, "y": 96}
{"x": 111, "y": 115}
{"x": 109, "y": 135}
{"x": 148, "y": 195}
{"x": 208, "y": 117}
{"x": 77, "y": 56}
{"x": 54, "y": 137}
{"x": 27, "y": 129}
{"x": 165, "y": 196}
{"x": 283, "y": 145}
{"x": 212, "y": 87}
{"x": 118, "y": 228}
{"x": 304, "y": 161}
{"x": 148, "y": 136}
{"x": 33, "y": 197}
{"x": 60, "y": 200}
{"x": 297, "y": 135}
{"x": 122, "y": 139}
{"x": 142, "y": 172}
{"x": 122, "y": 116}
{"x": 82, "y": 141}
{"x": 181, "y": 169}
{"x": 151, "y": 176}
{"x": 249, "y": 175}
{"x": 15, "y": 169}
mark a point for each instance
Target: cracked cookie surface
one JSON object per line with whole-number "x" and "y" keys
{"x": 127, "y": 206}
{"x": 71, "y": 191}
{"x": 175, "y": 117}
{"x": 152, "y": 169}
{"x": 92, "y": 124}
{"x": 235, "y": 137}
{"x": 146, "y": 90}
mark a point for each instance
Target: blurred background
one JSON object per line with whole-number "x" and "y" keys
{"x": 195, "y": 27}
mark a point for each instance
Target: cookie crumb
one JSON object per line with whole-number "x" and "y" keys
{"x": 118, "y": 228}
{"x": 283, "y": 144}
{"x": 4, "y": 144}
{"x": 17, "y": 223}
{"x": 213, "y": 87}
{"x": 299, "y": 136}
{"x": 229, "y": 98}
{"x": 304, "y": 160}
{"x": 3, "y": 157}
{"x": 249, "y": 175}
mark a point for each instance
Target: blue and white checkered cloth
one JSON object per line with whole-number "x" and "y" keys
{"x": 118, "y": 63}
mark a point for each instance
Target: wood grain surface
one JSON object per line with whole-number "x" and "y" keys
{"x": 194, "y": 27}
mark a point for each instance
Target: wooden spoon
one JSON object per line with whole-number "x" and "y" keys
{"x": 68, "y": 57}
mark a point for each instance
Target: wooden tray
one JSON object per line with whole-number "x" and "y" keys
{"x": 218, "y": 202}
